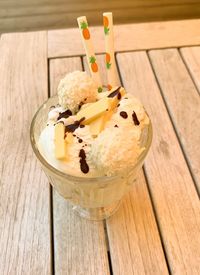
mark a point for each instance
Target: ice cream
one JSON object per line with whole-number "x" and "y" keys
{"x": 91, "y": 134}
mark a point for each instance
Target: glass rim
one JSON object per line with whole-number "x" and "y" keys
{"x": 78, "y": 178}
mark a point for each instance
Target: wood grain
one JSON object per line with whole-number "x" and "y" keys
{"x": 80, "y": 246}
{"x": 175, "y": 199}
{"x": 134, "y": 241}
{"x": 24, "y": 189}
{"x": 191, "y": 57}
{"x": 135, "y": 244}
{"x": 128, "y": 37}
{"x": 183, "y": 102}
{"x": 22, "y": 15}
{"x": 8, "y": 8}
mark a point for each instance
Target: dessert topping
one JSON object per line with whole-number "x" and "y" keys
{"x": 123, "y": 114}
{"x": 83, "y": 164}
{"x": 98, "y": 124}
{"x": 64, "y": 114}
{"x": 135, "y": 119}
{"x": 115, "y": 92}
{"x": 69, "y": 138}
{"x": 94, "y": 110}
{"x": 72, "y": 127}
{"x": 60, "y": 145}
{"x": 119, "y": 96}
{"x": 119, "y": 92}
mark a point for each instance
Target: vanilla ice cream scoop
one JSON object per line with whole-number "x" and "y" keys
{"x": 76, "y": 89}
{"x": 81, "y": 141}
{"x": 129, "y": 113}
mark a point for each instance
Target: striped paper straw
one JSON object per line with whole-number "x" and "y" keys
{"x": 89, "y": 49}
{"x": 109, "y": 45}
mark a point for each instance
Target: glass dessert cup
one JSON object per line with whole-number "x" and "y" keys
{"x": 92, "y": 198}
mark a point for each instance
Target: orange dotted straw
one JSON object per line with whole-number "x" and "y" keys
{"x": 89, "y": 49}
{"x": 109, "y": 45}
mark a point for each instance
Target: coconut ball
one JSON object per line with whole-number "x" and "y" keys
{"x": 115, "y": 150}
{"x": 76, "y": 89}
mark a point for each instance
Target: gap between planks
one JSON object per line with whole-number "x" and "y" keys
{"x": 51, "y": 230}
{"x": 122, "y": 51}
{"x": 51, "y": 188}
{"x": 187, "y": 65}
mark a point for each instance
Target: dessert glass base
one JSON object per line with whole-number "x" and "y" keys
{"x": 98, "y": 213}
{"x": 92, "y": 198}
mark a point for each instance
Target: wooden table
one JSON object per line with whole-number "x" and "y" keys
{"x": 157, "y": 229}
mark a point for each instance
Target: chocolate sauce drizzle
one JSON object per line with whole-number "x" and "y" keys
{"x": 83, "y": 164}
{"x": 59, "y": 122}
{"x": 123, "y": 114}
{"x": 72, "y": 127}
{"x": 119, "y": 96}
{"x": 82, "y": 154}
{"x": 115, "y": 93}
{"x": 80, "y": 105}
{"x": 65, "y": 114}
{"x": 135, "y": 119}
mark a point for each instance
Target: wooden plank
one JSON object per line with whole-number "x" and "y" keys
{"x": 24, "y": 189}
{"x": 146, "y": 3}
{"x": 173, "y": 192}
{"x": 134, "y": 240}
{"x": 191, "y": 57}
{"x": 129, "y": 37}
{"x": 183, "y": 103}
{"x": 80, "y": 246}
{"x": 16, "y": 16}
{"x": 14, "y": 8}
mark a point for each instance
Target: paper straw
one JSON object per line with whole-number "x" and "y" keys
{"x": 89, "y": 49}
{"x": 109, "y": 45}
